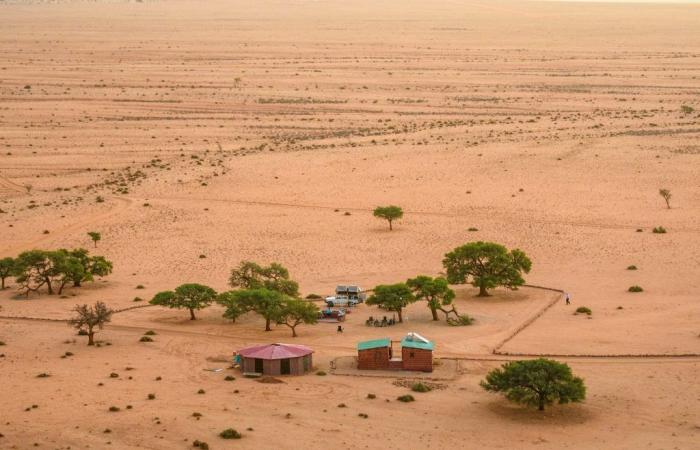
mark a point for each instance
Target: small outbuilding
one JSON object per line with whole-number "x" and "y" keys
{"x": 378, "y": 354}
{"x": 276, "y": 359}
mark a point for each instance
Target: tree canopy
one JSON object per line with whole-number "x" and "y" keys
{"x": 7, "y": 269}
{"x": 388, "y": 213}
{"x": 487, "y": 265}
{"x": 266, "y": 302}
{"x": 95, "y": 236}
{"x": 435, "y": 291}
{"x": 88, "y": 317}
{"x": 536, "y": 382}
{"x": 275, "y": 277}
{"x": 190, "y": 296}
{"x": 392, "y": 297}
{"x": 294, "y": 312}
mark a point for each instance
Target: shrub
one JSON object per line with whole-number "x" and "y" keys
{"x": 363, "y": 415}
{"x": 371, "y": 396}
{"x": 229, "y": 378}
{"x": 342, "y": 405}
{"x": 321, "y": 373}
{"x": 406, "y": 398}
{"x": 459, "y": 321}
{"x": 420, "y": 387}
{"x": 151, "y": 396}
{"x": 150, "y": 333}
{"x": 145, "y": 339}
{"x": 632, "y": 267}
{"x": 43, "y": 375}
{"x": 473, "y": 229}
{"x": 197, "y": 415}
{"x": 114, "y": 409}
{"x": 635, "y": 288}
{"x": 140, "y": 286}
{"x": 583, "y": 310}
{"x": 230, "y": 433}
{"x": 201, "y": 445}
{"x": 201, "y": 391}
{"x": 313, "y": 297}
{"x": 685, "y": 109}
{"x": 2, "y": 343}
{"x": 138, "y": 299}
{"x": 659, "y": 230}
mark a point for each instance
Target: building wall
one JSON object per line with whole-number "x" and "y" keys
{"x": 417, "y": 359}
{"x": 274, "y": 366}
{"x": 373, "y": 359}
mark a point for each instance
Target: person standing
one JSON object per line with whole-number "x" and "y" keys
{"x": 568, "y": 298}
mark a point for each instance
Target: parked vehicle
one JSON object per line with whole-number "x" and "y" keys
{"x": 341, "y": 300}
{"x": 351, "y": 291}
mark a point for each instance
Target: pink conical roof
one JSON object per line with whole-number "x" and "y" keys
{"x": 275, "y": 351}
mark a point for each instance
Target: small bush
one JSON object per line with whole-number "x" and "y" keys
{"x": 583, "y": 310}
{"x": 406, "y": 398}
{"x": 230, "y": 433}
{"x": 371, "y": 396}
{"x": 473, "y": 229}
{"x": 146, "y": 339}
{"x": 632, "y": 267}
{"x": 82, "y": 333}
{"x": 196, "y": 415}
{"x": 320, "y": 373}
{"x": 313, "y": 297}
{"x": 201, "y": 445}
{"x": 114, "y": 409}
{"x": 43, "y": 375}
{"x": 138, "y": 299}
{"x": 140, "y": 286}
{"x": 685, "y": 109}
{"x": 150, "y": 333}
{"x": 342, "y": 405}
{"x": 420, "y": 387}
{"x": 229, "y": 378}
{"x": 201, "y": 391}
{"x": 363, "y": 415}
{"x": 635, "y": 288}
{"x": 151, "y": 396}
{"x": 659, "y": 230}
{"x": 460, "y": 321}
{"x": 2, "y": 343}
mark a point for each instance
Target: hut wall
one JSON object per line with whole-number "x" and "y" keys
{"x": 373, "y": 359}
{"x": 271, "y": 367}
{"x": 417, "y": 359}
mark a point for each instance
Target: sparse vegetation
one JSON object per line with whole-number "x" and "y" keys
{"x": 95, "y": 236}
{"x": 659, "y": 230}
{"x": 405, "y": 398}
{"x": 392, "y": 297}
{"x": 388, "y": 213}
{"x": 635, "y": 288}
{"x": 537, "y": 382}
{"x": 487, "y": 265}
{"x": 420, "y": 387}
{"x": 583, "y": 310}
{"x": 230, "y": 433}
{"x": 88, "y": 318}
{"x": 632, "y": 267}
{"x": 666, "y": 195}
{"x": 187, "y": 296}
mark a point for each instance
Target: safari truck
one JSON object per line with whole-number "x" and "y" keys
{"x": 346, "y": 296}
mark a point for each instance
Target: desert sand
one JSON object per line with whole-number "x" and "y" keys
{"x": 269, "y": 131}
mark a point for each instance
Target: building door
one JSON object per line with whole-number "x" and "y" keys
{"x": 258, "y": 365}
{"x": 285, "y": 369}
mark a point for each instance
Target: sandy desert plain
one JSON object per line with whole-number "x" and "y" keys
{"x": 269, "y": 131}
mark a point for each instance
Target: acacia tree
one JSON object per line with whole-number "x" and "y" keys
{"x": 190, "y": 296}
{"x": 263, "y": 301}
{"x": 36, "y": 268}
{"x": 88, "y": 317}
{"x": 233, "y": 307}
{"x": 536, "y": 382}
{"x": 388, "y": 213}
{"x": 95, "y": 236}
{"x": 392, "y": 297}
{"x": 666, "y": 195}
{"x": 294, "y": 312}
{"x": 7, "y": 269}
{"x": 487, "y": 265}
{"x": 275, "y": 277}
{"x": 435, "y": 291}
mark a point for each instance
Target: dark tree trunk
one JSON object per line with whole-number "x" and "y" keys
{"x": 541, "y": 405}
{"x": 192, "y": 317}
{"x": 433, "y": 310}
{"x": 267, "y": 325}
{"x": 483, "y": 292}
{"x": 390, "y": 226}
{"x": 294, "y": 331}
{"x": 400, "y": 315}
{"x": 3, "y": 283}
{"x": 76, "y": 283}
{"x": 91, "y": 337}
{"x": 48, "y": 283}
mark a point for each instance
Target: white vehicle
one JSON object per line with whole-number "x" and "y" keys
{"x": 340, "y": 300}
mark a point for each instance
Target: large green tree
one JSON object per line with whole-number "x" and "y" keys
{"x": 7, "y": 269}
{"x": 392, "y": 297}
{"x": 436, "y": 291}
{"x": 190, "y": 296}
{"x": 266, "y": 302}
{"x": 275, "y": 277}
{"x": 486, "y": 265}
{"x": 388, "y": 213}
{"x": 88, "y": 317}
{"x": 38, "y": 268}
{"x": 536, "y": 382}
{"x": 294, "y": 312}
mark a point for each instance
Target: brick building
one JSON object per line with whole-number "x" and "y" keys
{"x": 378, "y": 354}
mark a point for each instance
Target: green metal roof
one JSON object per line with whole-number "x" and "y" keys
{"x": 417, "y": 344}
{"x": 374, "y": 343}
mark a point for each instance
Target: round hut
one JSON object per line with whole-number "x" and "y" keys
{"x": 276, "y": 359}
